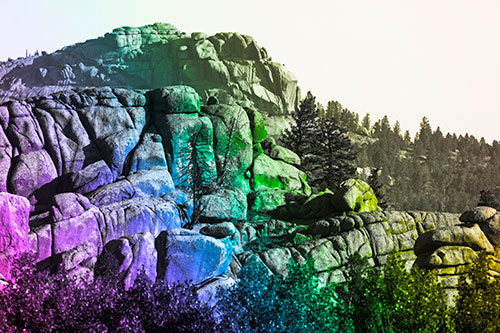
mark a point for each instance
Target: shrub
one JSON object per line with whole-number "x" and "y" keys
{"x": 41, "y": 302}
{"x": 393, "y": 299}
{"x": 478, "y": 301}
{"x": 262, "y": 302}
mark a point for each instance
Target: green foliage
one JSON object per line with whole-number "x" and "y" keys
{"x": 487, "y": 198}
{"x": 433, "y": 171}
{"x": 393, "y": 299}
{"x": 325, "y": 151}
{"x": 478, "y": 300}
{"x": 298, "y": 303}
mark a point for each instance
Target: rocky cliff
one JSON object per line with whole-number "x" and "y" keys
{"x": 186, "y": 182}
{"x": 228, "y": 65}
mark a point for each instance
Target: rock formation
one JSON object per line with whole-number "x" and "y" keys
{"x": 109, "y": 163}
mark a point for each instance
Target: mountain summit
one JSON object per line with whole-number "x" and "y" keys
{"x": 157, "y": 55}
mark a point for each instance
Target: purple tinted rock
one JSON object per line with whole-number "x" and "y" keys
{"x": 42, "y": 247}
{"x": 115, "y": 258}
{"x": 14, "y": 229}
{"x": 145, "y": 257}
{"x": 125, "y": 257}
{"x": 117, "y": 147}
{"x": 111, "y": 193}
{"x": 72, "y": 258}
{"x": 77, "y": 230}
{"x": 4, "y": 116}
{"x": 139, "y": 215}
{"x": 30, "y": 172}
{"x": 68, "y": 205}
{"x": 24, "y": 131}
{"x": 5, "y": 160}
{"x": 152, "y": 183}
{"x": 65, "y": 137}
{"x": 185, "y": 255}
{"x": 91, "y": 177}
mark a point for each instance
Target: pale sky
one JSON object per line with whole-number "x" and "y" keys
{"x": 402, "y": 58}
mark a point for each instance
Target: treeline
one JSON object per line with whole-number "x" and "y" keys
{"x": 432, "y": 171}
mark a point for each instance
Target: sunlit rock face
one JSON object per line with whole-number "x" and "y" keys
{"x": 148, "y": 149}
{"x": 160, "y": 55}
{"x": 102, "y": 172}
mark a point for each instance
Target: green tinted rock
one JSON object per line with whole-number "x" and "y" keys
{"x": 259, "y": 131}
{"x": 232, "y": 143}
{"x": 354, "y": 195}
{"x": 175, "y": 99}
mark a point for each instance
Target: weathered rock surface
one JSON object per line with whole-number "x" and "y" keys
{"x": 355, "y": 195}
{"x": 188, "y": 256}
{"x": 154, "y": 56}
{"x": 126, "y": 257}
{"x": 14, "y": 228}
{"x": 111, "y": 174}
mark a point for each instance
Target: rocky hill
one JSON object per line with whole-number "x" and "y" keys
{"x": 185, "y": 180}
{"x": 228, "y": 65}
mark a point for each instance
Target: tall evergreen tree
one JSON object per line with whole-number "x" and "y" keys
{"x": 336, "y": 156}
{"x": 301, "y": 136}
{"x": 325, "y": 151}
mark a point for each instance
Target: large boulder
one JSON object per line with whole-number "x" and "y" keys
{"x": 33, "y": 176}
{"x": 273, "y": 182}
{"x": 125, "y": 258}
{"x": 14, "y": 228}
{"x": 470, "y": 236}
{"x": 185, "y": 255}
{"x": 224, "y": 205}
{"x": 478, "y": 214}
{"x": 91, "y": 178}
{"x": 139, "y": 215}
{"x": 354, "y": 195}
{"x": 175, "y": 99}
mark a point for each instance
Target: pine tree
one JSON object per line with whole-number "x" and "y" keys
{"x": 487, "y": 198}
{"x": 326, "y": 152}
{"x": 300, "y": 138}
{"x": 366, "y": 123}
{"x": 336, "y": 156}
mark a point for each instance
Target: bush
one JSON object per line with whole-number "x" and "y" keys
{"x": 478, "y": 300}
{"x": 41, "y": 302}
{"x": 262, "y": 302}
{"x": 392, "y": 299}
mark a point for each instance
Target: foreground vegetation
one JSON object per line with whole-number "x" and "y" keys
{"x": 390, "y": 299}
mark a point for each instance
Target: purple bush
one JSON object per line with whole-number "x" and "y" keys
{"x": 41, "y": 302}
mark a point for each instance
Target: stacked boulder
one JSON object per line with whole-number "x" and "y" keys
{"x": 104, "y": 180}
{"x": 450, "y": 250}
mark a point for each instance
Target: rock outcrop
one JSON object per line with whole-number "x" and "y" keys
{"x": 98, "y": 174}
{"x": 225, "y": 65}
{"x": 148, "y": 150}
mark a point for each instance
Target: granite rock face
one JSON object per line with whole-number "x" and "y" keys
{"x": 111, "y": 149}
{"x": 106, "y": 171}
{"x": 154, "y": 56}
{"x": 14, "y": 228}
